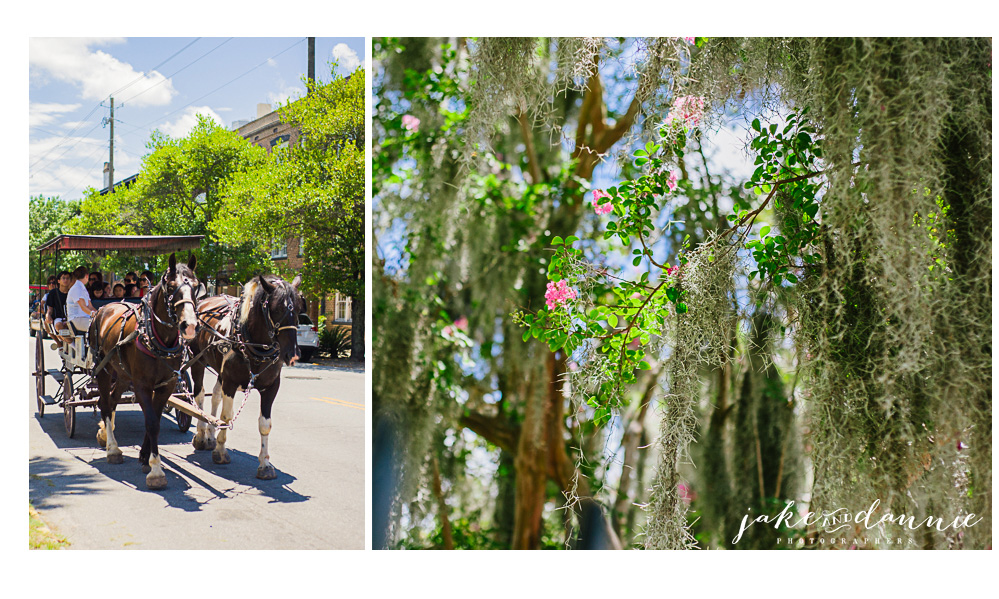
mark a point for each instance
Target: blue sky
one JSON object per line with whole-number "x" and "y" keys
{"x": 157, "y": 83}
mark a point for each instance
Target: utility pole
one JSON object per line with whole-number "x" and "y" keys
{"x": 312, "y": 60}
{"x": 111, "y": 158}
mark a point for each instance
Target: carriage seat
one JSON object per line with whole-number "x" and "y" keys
{"x": 76, "y": 331}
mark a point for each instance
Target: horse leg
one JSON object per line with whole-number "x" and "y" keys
{"x": 223, "y": 393}
{"x": 110, "y": 394}
{"x": 204, "y": 438}
{"x": 156, "y": 477}
{"x": 265, "y": 470}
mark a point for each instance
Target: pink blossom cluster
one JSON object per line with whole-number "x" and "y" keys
{"x": 411, "y": 123}
{"x": 671, "y": 270}
{"x": 689, "y": 109}
{"x": 690, "y": 40}
{"x": 558, "y": 294}
{"x": 600, "y": 208}
{"x": 459, "y": 325}
{"x": 671, "y": 181}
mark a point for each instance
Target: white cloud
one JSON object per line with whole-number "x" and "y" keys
{"x": 42, "y": 114}
{"x": 346, "y": 58}
{"x": 96, "y": 73}
{"x": 62, "y": 166}
{"x": 186, "y": 122}
{"x": 287, "y": 93}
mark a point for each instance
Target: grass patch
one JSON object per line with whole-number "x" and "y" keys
{"x": 40, "y": 536}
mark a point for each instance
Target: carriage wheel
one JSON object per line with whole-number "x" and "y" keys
{"x": 69, "y": 418}
{"x": 39, "y": 375}
{"x": 68, "y": 410}
{"x": 185, "y": 385}
{"x": 183, "y": 421}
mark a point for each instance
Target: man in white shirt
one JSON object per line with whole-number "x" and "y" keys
{"x": 79, "y": 310}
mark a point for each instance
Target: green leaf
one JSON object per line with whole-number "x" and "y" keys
{"x": 571, "y": 239}
{"x": 756, "y": 124}
{"x": 558, "y": 240}
{"x": 764, "y": 230}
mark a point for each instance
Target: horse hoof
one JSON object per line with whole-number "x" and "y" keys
{"x": 146, "y": 469}
{"x": 203, "y": 443}
{"x": 116, "y": 458}
{"x": 156, "y": 482}
{"x": 266, "y": 472}
{"x": 220, "y": 458}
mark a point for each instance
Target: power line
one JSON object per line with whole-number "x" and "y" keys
{"x": 80, "y": 139}
{"x": 85, "y": 175}
{"x": 83, "y": 121}
{"x": 68, "y": 135}
{"x": 143, "y": 75}
{"x": 146, "y": 126}
{"x": 167, "y": 78}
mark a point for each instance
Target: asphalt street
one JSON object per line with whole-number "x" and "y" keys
{"x": 316, "y": 446}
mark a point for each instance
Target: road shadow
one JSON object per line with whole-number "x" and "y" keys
{"x": 51, "y": 479}
{"x": 241, "y": 470}
{"x": 188, "y": 487}
{"x": 130, "y": 428}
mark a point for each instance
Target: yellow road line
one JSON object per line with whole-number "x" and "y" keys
{"x": 339, "y": 402}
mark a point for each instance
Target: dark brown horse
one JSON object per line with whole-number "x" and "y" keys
{"x": 246, "y": 341}
{"x": 143, "y": 344}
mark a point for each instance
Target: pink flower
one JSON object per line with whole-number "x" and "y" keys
{"x": 671, "y": 181}
{"x": 558, "y": 294}
{"x": 599, "y": 207}
{"x": 411, "y": 123}
{"x": 462, "y": 323}
{"x": 671, "y": 270}
{"x": 686, "y": 493}
{"x": 689, "y": 109}
{"x": 690, "y": 40}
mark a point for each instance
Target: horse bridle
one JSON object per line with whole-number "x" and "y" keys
{"x": 275, "y": 330}
{"x": 149, "y": 336}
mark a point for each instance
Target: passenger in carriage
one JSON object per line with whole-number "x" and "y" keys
{"x": 143, "y": 287}
{"x": 79, "y": 310}
{"x": 55, "y": 304}
{"x": 131, "y": 290}
{"x": 96, "y": 282}
{"x": 97, "y": 292}
{"x": 119, "y": 291}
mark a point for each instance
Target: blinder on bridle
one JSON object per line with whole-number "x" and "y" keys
{"x": 173, "y": 305}
{"x": 275, "y": 330}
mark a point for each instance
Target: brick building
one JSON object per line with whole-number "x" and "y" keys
{"x": 269, "y": 132}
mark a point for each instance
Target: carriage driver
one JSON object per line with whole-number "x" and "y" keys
{"x": 79, "y": 310}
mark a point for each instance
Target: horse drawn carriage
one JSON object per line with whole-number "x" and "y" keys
{"x": 71, "y": 385}
{"x": 155, "y": 351}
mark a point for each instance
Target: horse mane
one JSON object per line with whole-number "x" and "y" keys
{"x": 249, "y": 292}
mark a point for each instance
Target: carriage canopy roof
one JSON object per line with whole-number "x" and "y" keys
{"x": 133, "y": 244}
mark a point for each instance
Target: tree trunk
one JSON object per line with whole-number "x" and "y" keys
{"x": 530, "y": 465}
{"x": 357, "y": 327}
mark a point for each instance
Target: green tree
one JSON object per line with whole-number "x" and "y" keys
{"x": 179, "y": 192}
{"x": 47, "y": 218}
{"x": 834, "y": 304}
{"x": 313, "y": 190}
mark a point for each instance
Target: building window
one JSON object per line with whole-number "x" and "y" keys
{"x": 341, "y": 312}
{"x": 279, "y": 251}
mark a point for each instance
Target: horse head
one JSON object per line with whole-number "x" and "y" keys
{"x": 178, "y": 286}
{"x": 278, "y": 304}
